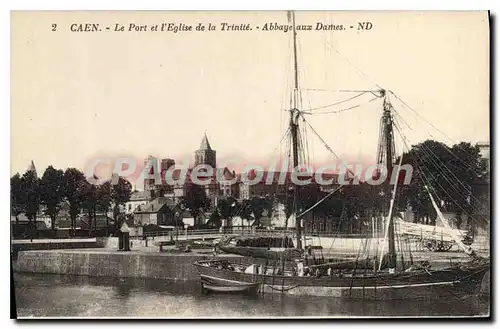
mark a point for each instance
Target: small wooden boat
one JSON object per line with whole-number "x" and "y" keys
{"x": 227, "y": 286}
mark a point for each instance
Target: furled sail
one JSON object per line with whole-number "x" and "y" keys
{"x": 467, "y": 249}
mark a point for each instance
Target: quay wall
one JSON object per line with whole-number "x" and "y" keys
{"x": 97, "y": 263}
{"x": 48, "y": 244}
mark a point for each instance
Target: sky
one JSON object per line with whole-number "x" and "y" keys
{"x": 76, "y": 96}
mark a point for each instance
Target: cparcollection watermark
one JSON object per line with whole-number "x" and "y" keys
{"x": 159, "y": 172}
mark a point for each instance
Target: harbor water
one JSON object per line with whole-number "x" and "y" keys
{"x": 41, "y": 295}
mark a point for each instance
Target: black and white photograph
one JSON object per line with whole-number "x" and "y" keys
{"x": 250, "y": 164}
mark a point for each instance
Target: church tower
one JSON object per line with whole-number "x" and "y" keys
{"x": 32, "y": 168}
{"x": 205, "y": 155}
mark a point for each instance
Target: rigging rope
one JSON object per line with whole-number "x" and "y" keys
{"x": 343, "y": 90}
{"x": 428, "y": 122}
{"x": 317, "y": 203}
{"x": 339, "y": 102}
{"x": 328, "y": 147}
{"x": 422, "y": 174}
{"x": 439, "y": 168}
{"x": 338, "y": 226}
{"x": 342, "y": 110}
{"x": 421, "y": 167}
{"x": 468, "y": 250}
{"x": 350, "y": 63}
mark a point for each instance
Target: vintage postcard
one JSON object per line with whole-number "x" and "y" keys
{"x": 250, "y": 164}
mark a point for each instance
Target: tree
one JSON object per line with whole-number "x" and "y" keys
{"x": 261, "y": 206}
{"x": 17, "y": 204}
{"x": 71, "y": 181}
{"x": 120, "y": 194}
{"x": 215, "y": 219}
{"x": 245, "y": 210}
{"x": 87, "y": 194}
{"x": 30, "y": 188}
{"x": 195, "y": 200}
{"x": 468, "y": 166}
{"x": 228, "y": 208}
{"x": 104, "y": 200}
{"x": 51, "y": 192}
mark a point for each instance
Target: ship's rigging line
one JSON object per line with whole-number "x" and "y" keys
{"x": 339, "y": 102}
{"x": 441, "y": 164}
{"x": 424, "y": 177}
{"x": 335, "y": 190}
{"x": 448, "y": 179}
{"x": 428, "y": 150}
{"x": 419, "y": 162}
{"x": 404, "y": 103}
{"x": 350, "y": 63}
{"x": 283, "y": 138}
{"x": 360, "y": 72}
{"x": 317, "y": 203}
{"x": 342, "y": 110}
{"x": 332, "y": 192}
{"x": 427, "y": 183}
{"x": 438, "y": 165}
{"x": 433, "y": 126}
{"x": 446, "y": 147}
{"x": 342, "y": 90}
{"x": 467, "y": 250}
{"x": 343, "y": 216}
{"x": 327, "y": 146}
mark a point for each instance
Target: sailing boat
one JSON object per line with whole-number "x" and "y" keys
{"x": 380, "y": 277}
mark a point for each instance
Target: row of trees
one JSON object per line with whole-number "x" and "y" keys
{"x": 450, "y": 172}
{"x": 29, "y": 193}
{"x": 352, "y": 199}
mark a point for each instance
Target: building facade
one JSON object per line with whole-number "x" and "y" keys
{"x": 221, "y": 184}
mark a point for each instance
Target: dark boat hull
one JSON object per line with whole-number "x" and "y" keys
{"x": 221, "y": 286}
{"x": 413, "y": 285}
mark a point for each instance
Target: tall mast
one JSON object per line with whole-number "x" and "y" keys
{"x": 389, "y": 140}
{"x": 294, "y": 126}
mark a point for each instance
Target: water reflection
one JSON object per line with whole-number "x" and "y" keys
{"x": 58, "y": 295}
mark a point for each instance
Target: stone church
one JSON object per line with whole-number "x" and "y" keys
{"x": 215, "y": 189}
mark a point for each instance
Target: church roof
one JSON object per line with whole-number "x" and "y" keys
{"x": 32, "y": 168}
{"x": 205, "y": 145}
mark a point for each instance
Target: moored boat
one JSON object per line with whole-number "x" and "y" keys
{"x": 391, "y": 274}
{"x": 414, "y": 283}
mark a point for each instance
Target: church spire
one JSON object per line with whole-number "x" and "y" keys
{"x": 205, "y": 155}
{"x": 32, "y": 168}
{"x": 205, "y": 145}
